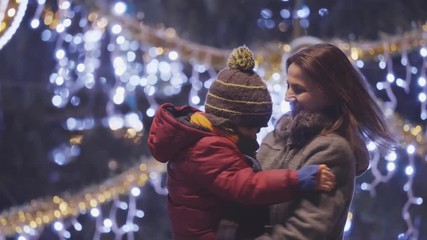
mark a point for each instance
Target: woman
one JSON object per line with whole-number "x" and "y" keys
{"x": 211, "y": 176}
{"x": 332, "y": 118}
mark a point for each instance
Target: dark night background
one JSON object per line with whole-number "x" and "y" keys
{"x": 30, "y": 127}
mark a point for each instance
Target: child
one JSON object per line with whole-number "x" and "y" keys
{"x": 210, "y": 169}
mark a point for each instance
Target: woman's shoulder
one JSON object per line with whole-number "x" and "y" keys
{"x": 332, "y": 144}
{"x": 333, "y": 137}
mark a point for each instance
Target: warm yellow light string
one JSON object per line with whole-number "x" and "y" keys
{"x": 271, "y": 53}
{"x": 45, "y": 211}
{"x": 40, "y": 212}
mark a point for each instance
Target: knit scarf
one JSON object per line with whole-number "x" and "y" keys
{"x": 200, "y": 119}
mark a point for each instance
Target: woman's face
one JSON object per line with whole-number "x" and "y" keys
{"x": 303, "y": 93}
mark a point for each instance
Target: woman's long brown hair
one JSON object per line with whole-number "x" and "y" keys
{"x": 359, "y": 116}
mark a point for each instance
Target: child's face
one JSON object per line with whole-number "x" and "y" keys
{"x": 248, "y": 132}
{"x": 303, "y": 93}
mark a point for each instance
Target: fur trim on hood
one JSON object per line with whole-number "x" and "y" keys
{"x": 300, "y": 129}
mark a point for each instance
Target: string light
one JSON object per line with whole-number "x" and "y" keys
{"x": 159, "y": 72}
{"x": 53, "y": 210}
{"x": 11, "y": 13}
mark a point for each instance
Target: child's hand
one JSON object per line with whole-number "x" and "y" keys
{"x": 325, "y": 179}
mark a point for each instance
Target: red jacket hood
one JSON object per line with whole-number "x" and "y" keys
{"x": 171, "y": 132}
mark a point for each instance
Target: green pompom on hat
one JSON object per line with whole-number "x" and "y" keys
{"x": 241, "y": 59}
{"x": 239, "y": 94}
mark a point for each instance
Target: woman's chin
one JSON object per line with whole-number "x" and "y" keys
{"x": 295, "y": 111}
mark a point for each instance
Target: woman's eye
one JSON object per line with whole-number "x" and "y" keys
{"x": 298, "y": 90}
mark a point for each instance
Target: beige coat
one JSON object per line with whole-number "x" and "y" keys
{"x": 318, "y": 215}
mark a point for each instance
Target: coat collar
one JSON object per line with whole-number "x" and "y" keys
{"x": 298, "y": 130}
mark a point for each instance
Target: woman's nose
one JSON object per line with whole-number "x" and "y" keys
{"x": 289, "y": 96}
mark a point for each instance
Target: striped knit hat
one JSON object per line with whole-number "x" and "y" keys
{"x": 239, "y": 94}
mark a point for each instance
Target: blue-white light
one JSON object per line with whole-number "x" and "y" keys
{"x": 57, "y": 101}
{"x": 107, "y": 222}
{"x": 121, "y": 41}
{"x": 119, "y": 8}
{"x": 58, "y": 226}
{"x": 60, "y": 54}
{"x": 200, "y": 68}
{"x": 119, "y": 95}
{"x": 60, "y": 28}
{"x": 131, "y": 56}
{"x": 123, "y": 205}
{"x": 75, "y": 101}
{"x": 371, "y": 146}
{"x": 390, "y": 78}
{"x": 422, "y": 97}
{"x": 400, "y": 82}
{"x": 59, "y": 157}
{"x": 135, "y": 191}
{"x": 266, "y": 13}
{"x": 126, "y": 228}
{"x": 402, "y": 236}
{"x": 195, "y": 100}
{"x": 46, "y": 35}
{"x": 95, "y": 212}
{"x": 323, "y": 12}
{"x": 304, "y": 23}
{"x": 152, "y": 66}
{"x": 173, "y": 55}
{"x": 150, "y": 112}
{"x": 78, "y": 227}
{"x": 115, "y": 122}
{"x": 391, "y": 166}
{"x": 285, "y": 13}
{"x": 410, "y": 149}
{"x": 35, "y": 23}
{"x": 65, "y": 5}
{"x": 59, "y": 81}
{"x": 303, "y": 12}
{"x": 422, "y": 81}
{"x": 423, "y": 52}
{"x": 347, "y": 226}
{"x": 140, "y": 213}
{"x": 67, "y": 22}
{"x": 134, "y": 80}
{"x": 150, "y": 90}
{"x": 132, "y": 120}
{"x": 66, "y": 234}
{"x": 164, "y": 67}
{"x": 364, "y": 186}
{"x": 380, "y": 85}
{"x": 391, "y": 156}
{"x": 409, "y": 170}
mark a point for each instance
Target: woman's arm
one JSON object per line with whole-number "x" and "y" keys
{"x": 316, "y": 215}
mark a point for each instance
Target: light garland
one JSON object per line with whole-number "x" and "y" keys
{"x": 160, "y": 72}
{"x": 40, "y": 212}
{"x": 11, "y": 14}
{"x": 272, "y": 53}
